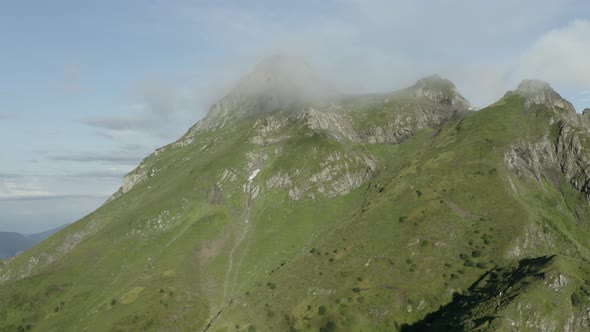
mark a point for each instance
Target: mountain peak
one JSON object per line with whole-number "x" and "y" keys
{"x": 278, "y": 82}
{"x": 538, "y": 92}
{"x": 286, "y": 75}
{"x": 438, "y": 89}
{"x": 534, "y": 86}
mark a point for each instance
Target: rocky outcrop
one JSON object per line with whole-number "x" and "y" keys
{"x": 439, "y": 90}
{"x": 132, "y": 179}
{"x": 538, "y": 92}
{"x": 339, "y": 173}
{"x": 562, "y": 150}
{"x": 283, "y": 90}
{"x": 563, "y": 154}
{"x": 337, "y": 125}
{"x": 573, "y": 160}
{"x": 526, "y": 158}
{"x": 277, "y": 83}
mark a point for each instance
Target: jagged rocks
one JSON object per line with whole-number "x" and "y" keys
{"x": 538, "y": 92}
{"x": 439, "y": 90}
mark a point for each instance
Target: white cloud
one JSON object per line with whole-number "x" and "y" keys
{"x": 560, "y": 56}
{"x": 157, "y": 108}
{"x": 22, "y": 188}
{"x": 382, "y": 45}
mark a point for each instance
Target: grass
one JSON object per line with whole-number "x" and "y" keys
{"x": 414, "y": 242}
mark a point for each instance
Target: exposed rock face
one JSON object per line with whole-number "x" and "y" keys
{"x": 531, "y": 158}
{"x": 574, "y": 164}
{"x": 439, "y": 90}
{"x": 130, "y": 180}
{"x": 538, "y": 92}
{"x": 277, "y": 83}
{"x": 339, "y": 173}
{"x": 561, "y": 152}
{"x": 337, "y": 125}
{"x": 281, "y": 86}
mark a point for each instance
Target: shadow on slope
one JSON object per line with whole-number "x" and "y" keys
{"x": 478, "y": 307}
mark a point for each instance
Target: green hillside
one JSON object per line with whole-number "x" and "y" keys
{"x": 402, "y": 211}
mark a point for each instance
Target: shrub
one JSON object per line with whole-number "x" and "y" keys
{"x": 476, "y": 253}
{"x": 321, "y": 310}
{"x": 356, "y": 290}
{"x": 113, "y": 302}
{"x": 330, "y": 326}
{"x": 418, "y": 193}
{"x": 403, "y": 218}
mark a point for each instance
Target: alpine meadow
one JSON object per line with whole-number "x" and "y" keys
{"x": 291, "y": 208}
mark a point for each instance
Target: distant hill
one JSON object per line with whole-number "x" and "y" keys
{"x": 11, "y": 243}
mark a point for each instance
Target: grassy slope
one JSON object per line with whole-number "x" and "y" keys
{"x": 440, "y": 213}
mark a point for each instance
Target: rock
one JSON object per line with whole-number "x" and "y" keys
{"x": 439, "y": 90}
{"x": 277, "y": 83}
{"x": 537, "y": 92}
{"x": 562, "y": 154}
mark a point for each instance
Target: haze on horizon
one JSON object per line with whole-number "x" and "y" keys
{"x": 89, "y": 89}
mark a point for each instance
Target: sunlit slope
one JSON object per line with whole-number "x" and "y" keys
{"x": 397, "y": 211}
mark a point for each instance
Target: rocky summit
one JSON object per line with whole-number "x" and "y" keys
{"x": 290, "y": 207}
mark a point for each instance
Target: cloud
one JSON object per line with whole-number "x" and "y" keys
{"x": 381, "y": 45}
{"x": 47, "y": 197}
{"x": 106, "y": 174}
{"x": 560, "y": 56}
{"x": 159, "y": 109}
{"x": 13, "y": 187}
{"x": 10, "y": 175}
{"x": 116, "y": 157}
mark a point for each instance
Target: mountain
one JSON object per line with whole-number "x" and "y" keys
{"x": 289, "y": 211}
{"x": 12, "y": 243}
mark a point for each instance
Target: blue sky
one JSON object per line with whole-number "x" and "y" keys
{"x": 89, "y": 88}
